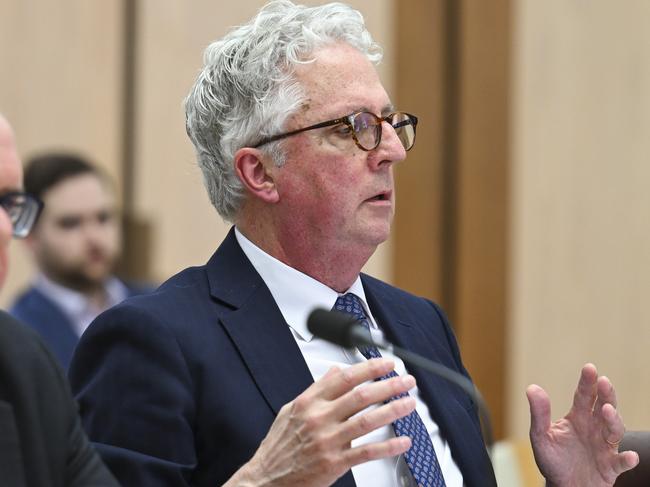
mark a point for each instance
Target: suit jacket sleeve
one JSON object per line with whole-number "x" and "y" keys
{"x": 136, "y": 398}
{"x": 85, "y": 468}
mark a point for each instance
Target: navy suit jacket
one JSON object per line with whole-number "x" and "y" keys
{"x": 179, "y": 387}
{"x": 46, "y": 317}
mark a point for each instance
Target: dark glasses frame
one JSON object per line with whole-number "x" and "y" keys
{"x": 23, "y": 210}
{"x": 349, "y": 121}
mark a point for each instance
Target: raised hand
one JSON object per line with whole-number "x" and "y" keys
{"x": 309, "y": 443}
{"x": 580, "y": 449}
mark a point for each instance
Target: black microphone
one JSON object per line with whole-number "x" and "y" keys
{"x": 338, "y": 328}
{"x": 344, "y": 330}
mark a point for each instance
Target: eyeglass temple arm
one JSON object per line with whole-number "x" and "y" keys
{"x": 297, "y": 131}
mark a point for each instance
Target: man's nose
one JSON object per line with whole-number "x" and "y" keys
{"x": 94, "y": 231}
{"x": 390, "y": 149}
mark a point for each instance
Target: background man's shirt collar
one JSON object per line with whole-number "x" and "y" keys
{"x": 75, "y": 305}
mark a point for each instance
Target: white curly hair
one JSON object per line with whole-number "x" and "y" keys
{"x": 246, "y": 89}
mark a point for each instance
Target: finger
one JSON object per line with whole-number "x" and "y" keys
{"x": 613, "y": 429}
{"x": 374, "y": 393}
{"x": 606, "y": 394}
{"x": 585, "y": 394}
{"x": 338, "y": 381}
{"x": 625, "y": 461}
{"x": 366, "y": 422}
{"x": 540, "y": 410}
{"x": 374, "y": 451}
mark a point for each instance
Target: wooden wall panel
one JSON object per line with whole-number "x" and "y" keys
{"x": 480, "y": 293}
{"x": 450, "y": 243}
{"x": 60, "y": 86}
{"x": 419, "y": 231}
{"x": 580, "y": 202}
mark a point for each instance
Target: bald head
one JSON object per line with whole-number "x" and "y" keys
{"x": 8, "y": 152}
{"x": 6, "y": 133}
{"x": 11, "y": 179}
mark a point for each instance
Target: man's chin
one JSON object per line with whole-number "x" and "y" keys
{"x": 98, "y": 271}
{"x": 378, "y": 234}
{"x": 96, "y": 279}
{"x": 367, "y": 242}
{"x": 85, "y": 280}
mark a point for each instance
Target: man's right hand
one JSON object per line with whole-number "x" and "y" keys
{"x": 309, "y": 442}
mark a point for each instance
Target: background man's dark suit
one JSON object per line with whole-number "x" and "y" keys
{"x": 181, "y": 386}
{"x": 38, "y": 311}
{"x": 41, "y": 440}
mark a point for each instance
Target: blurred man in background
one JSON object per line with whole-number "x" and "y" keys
{"x": 75, "y": 245}
{"x": 42, "y": 443}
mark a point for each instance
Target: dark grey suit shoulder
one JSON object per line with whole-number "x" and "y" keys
{"x": 42, "y": 443}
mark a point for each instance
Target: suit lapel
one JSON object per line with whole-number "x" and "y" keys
{"x": 442, "y": 398}
{"x": 49, "y": 319}
{"x": 258, "y": 330}
{"x": 257, "y": 327}
{"x": 267, "y": 346}
{"x": 273, "y": 357}
{"x": 392, "y": 317}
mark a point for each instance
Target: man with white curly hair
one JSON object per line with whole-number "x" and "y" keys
{"x": 215, "y": 379}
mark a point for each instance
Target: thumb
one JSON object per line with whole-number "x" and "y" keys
{"x": 540, "y": 410}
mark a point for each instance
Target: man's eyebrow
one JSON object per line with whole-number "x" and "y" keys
{"x": 389, "y": 108}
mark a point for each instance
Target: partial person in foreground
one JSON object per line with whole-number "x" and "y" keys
{"x": 42, "y": 443}
{"x": 215, "y": 379}
{"x": 75, "y": 245}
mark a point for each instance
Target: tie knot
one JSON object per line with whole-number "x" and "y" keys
{"x": 351, "y": 304}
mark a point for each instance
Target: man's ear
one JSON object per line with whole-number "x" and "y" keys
{"x": 252, "y": 172}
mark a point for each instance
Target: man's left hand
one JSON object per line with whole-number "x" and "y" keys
{"x": 581, "y": 448}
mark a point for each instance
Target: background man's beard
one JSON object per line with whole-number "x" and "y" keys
{"x": 78, "y": 278}
{"x": 79, "y": 281}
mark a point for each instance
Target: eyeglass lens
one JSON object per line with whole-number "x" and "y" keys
{"x": 22, "y": 210}
{"x": 367, "y": 127}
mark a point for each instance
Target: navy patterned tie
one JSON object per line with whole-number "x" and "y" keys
{"x": 421, "y": 457}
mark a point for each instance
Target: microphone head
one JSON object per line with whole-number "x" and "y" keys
{"x": 333, "y": 326}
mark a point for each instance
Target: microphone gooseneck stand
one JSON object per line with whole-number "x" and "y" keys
{"x": 344, "y": 330}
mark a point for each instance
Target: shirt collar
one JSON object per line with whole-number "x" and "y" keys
{"x": 295, "y": 293}
{"x": 74, "y": 303}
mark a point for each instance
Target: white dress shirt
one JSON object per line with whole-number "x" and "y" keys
{"x": 297, "y": 294}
